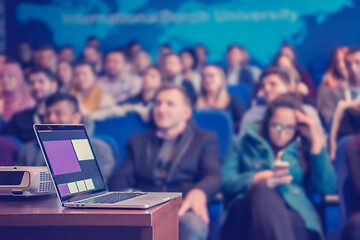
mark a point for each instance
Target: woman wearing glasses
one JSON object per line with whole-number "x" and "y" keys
{"x": 265, "y": 176}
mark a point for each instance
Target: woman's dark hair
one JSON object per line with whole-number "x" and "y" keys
{"x": 333, "y": 62}
{"x": 192, "y": 53}
{"x": 287, "y": 100}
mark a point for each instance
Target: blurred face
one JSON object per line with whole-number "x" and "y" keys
{"x": 142, "y": 60}
{"x": 41, "y": 86}
{"x": 114, "y": 64}
{"x": 287, "y": 51}
{"x": 282, "y": 127}
{"x": 37, "y": 57}
{"x": 93, "y": 43}
{"x": 236, "y": 57}
{"x": 65, "y": 73}
{"x": 48, "y": 59}
{"x": 67, "y": 54}
{"x": 91, "y": 55}
{"x": 201, "y": 54}
{"x": 353, "y": 66}
{"x": 285, "y": 62}
{"x": 170, "y": 110}
{"x": 273, "y": 86}
{"x": 151, "y": 80}
{"x": 212, "y": 80}
{"x": 135, "y": 49}
{"x": 173, "y": 66}
{"x": 2, "y": 62}
{"x": 25, "y": 52}
{"x": 187, "y": 60}
{"x": 62, "y": 112}
{"x": 8, "y": 82}
{"x": 340, "y": 65}
{"x": 84, "y": 78}
{"x": 163, "y": 51}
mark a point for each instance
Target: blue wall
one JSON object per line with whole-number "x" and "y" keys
{"x": 315, "y": 27}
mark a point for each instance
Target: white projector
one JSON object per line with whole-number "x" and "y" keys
{"x": 25, "y": 181}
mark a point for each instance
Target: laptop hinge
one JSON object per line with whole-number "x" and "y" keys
{"x": 76, "y": 199}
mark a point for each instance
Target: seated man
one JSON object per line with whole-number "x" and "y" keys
{"x": 349, "y": 122}
{"x": 175, "y": 157}
{"x": 173, "y": 73}
{"x": 118, "y": 81}
{"x": 62, "y": 108}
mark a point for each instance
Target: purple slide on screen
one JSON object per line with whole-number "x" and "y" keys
{"x": 62, "y": 157}
{"x": 64, "y": 190}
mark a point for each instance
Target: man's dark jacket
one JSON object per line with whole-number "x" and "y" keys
{"x": 196, "y": 164}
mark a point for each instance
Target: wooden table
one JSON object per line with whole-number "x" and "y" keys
{"x": 46, "y": 219}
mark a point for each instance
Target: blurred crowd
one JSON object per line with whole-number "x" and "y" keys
{"x": 285, "y": 130}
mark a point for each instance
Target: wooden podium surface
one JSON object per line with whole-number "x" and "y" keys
{"x": 46, "y": 219}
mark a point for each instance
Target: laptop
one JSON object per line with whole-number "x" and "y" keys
{"x": 76, "y": 174}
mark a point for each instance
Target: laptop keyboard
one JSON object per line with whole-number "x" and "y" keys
{"x": 112, "y": 198}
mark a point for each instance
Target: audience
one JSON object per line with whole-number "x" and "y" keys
{"x": 62, "y": 108}
{"x": 25, "y": 55}
{"x": 48, "y": 58}
{"x": 118, "y": 81}
{"x": 93, "y": 41}
{"x": 274, "y": 82}
{"x": 164, "y": 50}
{"x": 176, "y": 157}
{"x": 65, "y": 76}
{"x": 267, "y": 173}
{"x": 141, "y": 62}
{"x": 133, "y": 48}
{"x": 42, "y": 83}
{"x": 173, "y": 73}
{"x": 66, "y": 53}
{"x": 214, "y": 94}
{"x": 352, "y": 153}
{"x": 288, "y": 50}
{"x": 2, "y": 61}
{"x": 189, "y": 61}
{"x": 285, "y": 64}
{"x": 14, "y": 95}
{"x": 201, "y": 55}
{"x": 352, "y": 61}
{"x": 87, "y": 91}
{"x": 264, "y": 198}
{"x": 151, "y": 83}
{"x": 349, "y": 120}
{"x": 92, "y": 55}
{"x": 238, "y": 68}
{"x": 334, "y": 85}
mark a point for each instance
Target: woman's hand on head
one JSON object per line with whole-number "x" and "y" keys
{"x": 308, "y": 129}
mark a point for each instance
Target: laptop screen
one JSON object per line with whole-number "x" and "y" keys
{"x": 70, "y": 159}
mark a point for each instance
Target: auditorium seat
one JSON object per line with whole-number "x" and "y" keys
{"x": 243, "y": 92}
